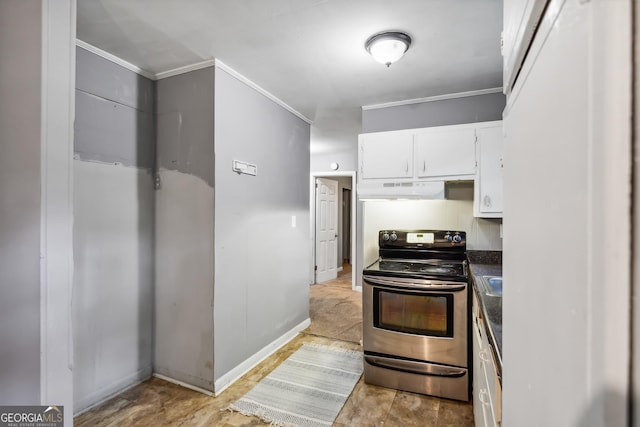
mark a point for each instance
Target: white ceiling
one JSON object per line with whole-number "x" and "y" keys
{"x": 310, "y": 53}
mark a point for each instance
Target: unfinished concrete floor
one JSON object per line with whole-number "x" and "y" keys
{"x": 336, "y": 320}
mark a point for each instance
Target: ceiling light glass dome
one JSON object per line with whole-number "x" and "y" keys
{"x": 388, "y": 47}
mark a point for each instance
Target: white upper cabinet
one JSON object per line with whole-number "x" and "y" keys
{"x": 422, "y": 157}
{"x": 488, "y": 194}
{"x": 445, "y": 152}
{"x": 386, "y": 155}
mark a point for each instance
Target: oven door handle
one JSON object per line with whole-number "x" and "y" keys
{"x": 415, "y": 367}
{"x": 416, "y": 284}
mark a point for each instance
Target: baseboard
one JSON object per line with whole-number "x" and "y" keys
{"x": 105, "y": 393}
{"x": 183, "y": 384}
{"x": 236, "y": 373}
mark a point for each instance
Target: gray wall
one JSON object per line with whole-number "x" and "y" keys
{"x": 184, "y": 229}
{"x": 185, "y": 124}
{"x": 20, "y": 65}
{"x": 262, "y": 262}
{"x": 113, "y": 229}
{"x": 470, "y": 109}
{"x": 114, "y": 113}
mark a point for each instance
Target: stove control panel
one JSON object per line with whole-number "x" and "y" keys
{"x": 422, "y": 239}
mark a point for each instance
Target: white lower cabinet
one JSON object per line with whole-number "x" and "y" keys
{"x": 487, "y": 390}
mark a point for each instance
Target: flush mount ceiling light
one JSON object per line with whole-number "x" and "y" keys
{"x": 387, "y": 47}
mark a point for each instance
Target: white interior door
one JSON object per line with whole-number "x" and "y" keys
{"x": 326, "y": 229}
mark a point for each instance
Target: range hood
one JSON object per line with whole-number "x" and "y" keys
{"x": 432, "y": 190}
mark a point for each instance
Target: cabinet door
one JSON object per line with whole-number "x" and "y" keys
{"x": 479, "y": 386}
{"x": 445, "y": 152}
{"x": 489, "y": 399}
{"x": 489, "y": 200}
{"x": 386, "y": 155}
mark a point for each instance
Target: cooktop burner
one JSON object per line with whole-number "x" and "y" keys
{"x": 431, "y": 267}
{"x": 421, "y": 254}
{"x": 422, "y": 266}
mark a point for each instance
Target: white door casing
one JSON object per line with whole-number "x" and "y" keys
{"x": 326, "y": 229}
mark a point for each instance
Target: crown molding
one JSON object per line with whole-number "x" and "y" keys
{"x": 257, "y": 88}
{"x": 187, "y": 68}
{"x": 433, "y": 98}
{"x": 109, "y": 57}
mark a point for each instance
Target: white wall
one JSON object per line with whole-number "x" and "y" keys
{"x": 56, "y": 246}
{"x": 427, "y": 214}
{"x": 20, "y": 98}
{"x": 346, "y": 157}
{"x": 566, "y": 259}
{"x": 36, "y": 134}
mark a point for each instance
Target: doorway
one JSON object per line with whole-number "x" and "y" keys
{"x": 326, "y": 230}
{"x": 346, "y": 225}
{"x": 344, "y": 217}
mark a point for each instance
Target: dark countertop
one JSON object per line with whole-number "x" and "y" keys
{"x": 488, "y": 263}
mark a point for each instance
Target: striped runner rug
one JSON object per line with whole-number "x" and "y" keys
{"x": 307, "y": 390}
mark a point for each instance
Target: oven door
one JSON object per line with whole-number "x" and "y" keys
{"x": 419, "y": 319}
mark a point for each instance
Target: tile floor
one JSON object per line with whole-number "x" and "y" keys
{"x": 336, "y": 320}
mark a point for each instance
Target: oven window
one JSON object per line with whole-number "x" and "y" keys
{"x": 413, "y": 313}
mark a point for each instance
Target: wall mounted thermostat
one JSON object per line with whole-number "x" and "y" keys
{"x": 244, "y": 167}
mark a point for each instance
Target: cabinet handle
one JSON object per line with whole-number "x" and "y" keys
{"x": 481, "y": 395}
{"x": 487, "y": 201}
{"x": 424, "y": 166}
{"x": 406, "y": 167}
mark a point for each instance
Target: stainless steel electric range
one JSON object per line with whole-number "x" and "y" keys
{"x": 415, "y": 313}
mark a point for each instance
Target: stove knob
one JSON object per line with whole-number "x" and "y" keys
{"x": 394, "y": 237}
{"x": 448, "y": 237}
{"x": 385, "y": 236}
{"x": 457, "y": 238}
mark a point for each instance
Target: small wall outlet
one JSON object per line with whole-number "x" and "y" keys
{"x": 293, "y": 221}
